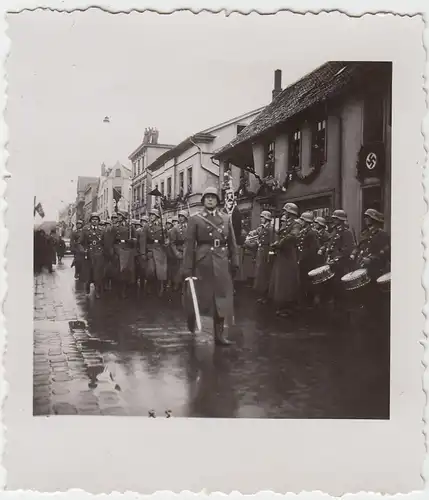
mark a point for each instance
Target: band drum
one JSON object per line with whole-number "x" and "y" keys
{"x": 384, "y": 282}
{"x": 355, "y": 279}
{"x": 321, "y": 274}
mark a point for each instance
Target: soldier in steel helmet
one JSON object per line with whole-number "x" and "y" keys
{"x": 77, "y": 249}
{"x": 177, "y": 241}
{"x": 153, "y": 251}
{"x": 141, "y": 260}
{"x": 125, "y": 251}
{"x": 373, "y": 250}
{"x": 92, "y": 239}
{"x": 263, "y": 239}
{"x": 284, "y": 284}
{"x": 211, "y": 255}
{"x": 308, "y": 246}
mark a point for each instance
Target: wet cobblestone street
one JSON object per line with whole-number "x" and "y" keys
{"x": 135, "y": 357}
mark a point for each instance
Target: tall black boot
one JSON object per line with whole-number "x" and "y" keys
{"x": 219, "y": 332}
{"x": 88, "y": 287}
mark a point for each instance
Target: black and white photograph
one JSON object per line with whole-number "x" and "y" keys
{"x": 211, "y": 201}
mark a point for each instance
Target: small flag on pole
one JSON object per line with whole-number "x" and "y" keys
{"x": 39, "y": 209}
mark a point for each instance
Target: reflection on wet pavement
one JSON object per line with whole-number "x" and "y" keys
{"x": 136, "y": 357}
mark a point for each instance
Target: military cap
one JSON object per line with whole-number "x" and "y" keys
{"x": 155, "y": 212}
{"x": 266, "y": 215}
{"x": 95, "y": 215}
{"x": 184, "y": 213}
{"x": 339, "y": 214}
{"x": 290, "y": 208}
{"x": 374, "y": 215}
{"x": 210, "y": 190}
{"x": 307, "y": 216}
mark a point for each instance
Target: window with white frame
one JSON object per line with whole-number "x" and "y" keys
{"x": 190, "y": 180}
{"x": 318, "y": 142}
{"x": 162, "y": 188}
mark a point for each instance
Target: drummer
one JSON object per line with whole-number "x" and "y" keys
{"x": 373, "y": 250}
{"x": 321, "y": 228}
{"x": 339, "y": 247}
{"x": 308, "y": 246}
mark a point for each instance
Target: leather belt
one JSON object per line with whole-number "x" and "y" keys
{"x": 216, "y": 243}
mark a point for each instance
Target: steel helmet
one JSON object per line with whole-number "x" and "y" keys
{"x": 307, "y": 216}
{"x": 290, "y": 208}
{"x": 266, "y": 215}
{"x": 144, "y": 218}
{"x": 339, "y": 214}
{"x": 184, "y": 213}
{"x": 321, "y": 221}
{"x": 210, "y": 190}
{"x": 95, "y": 215}
{"x": 374, "y": 215}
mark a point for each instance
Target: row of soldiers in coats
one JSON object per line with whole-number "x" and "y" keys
{"x": 304, "y": 243}
{"x": 121, "y": 253}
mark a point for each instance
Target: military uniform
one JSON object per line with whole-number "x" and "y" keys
{"x": 177, "y": 241}
{"x": 308, "y": 246}
{"x": 263, "y": 259}
{"x": 373, "y": 250}
{"x": 284, "y": 286}
{"x": 210, "y": 250}
{"x": 77, "y": 250}
{"x": 154, "y": 251}
{"x": 141, "y": 258}
{"x": 125, "y": 252}
{"x": 93, "y": 244}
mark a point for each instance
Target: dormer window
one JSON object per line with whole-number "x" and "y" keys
{"x": 118, "y": 172}
{"x": 295, "y": 151}
{"x": 269, "y": 160}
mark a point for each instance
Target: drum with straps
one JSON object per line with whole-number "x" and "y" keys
{"x": 321, "y": 274}
{"x": 384, "y": 282}
{"x": 355, "y": 279}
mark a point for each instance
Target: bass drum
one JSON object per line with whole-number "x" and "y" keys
{"x": 321, "y": 274}
{"x": 355, "y": 279}
{"x": 384, "y": 283}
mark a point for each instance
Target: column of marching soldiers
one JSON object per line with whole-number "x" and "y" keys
{"x": 303, "y": 264}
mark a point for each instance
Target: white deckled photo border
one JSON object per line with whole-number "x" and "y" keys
{"x": 111, "y": 454}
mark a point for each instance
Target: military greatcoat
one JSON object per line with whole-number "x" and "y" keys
{"x": 210, "y": 250}
{"x": 285, "y": 284}
{"x": 374, "y": 245}
{"x": 92, "y": 240}
{"x": 77, "y": 249}
{"x": 125, "y": 252}
{"x": 264, "y": 262}
{"x": 153, "y": 248}
{"x": 308, "y": 246}
{"x": 177, "y": 242}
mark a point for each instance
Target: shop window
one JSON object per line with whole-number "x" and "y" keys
{"x": 373, "y": 125}
{"x": 295, "y": 151}
{"x": 269, "y": 160}
{"x": 318, "y": 143}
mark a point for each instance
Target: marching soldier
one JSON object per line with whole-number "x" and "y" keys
{"x": 77, "y": 249}
{"x": 175, "y": 220}
{"x": 125, "y": 250}
{"x": 170, "y": 256}
{"x": 93, "y": 244}
{"x": 263, "y": 238}
{"x": 153, "y": 250}
{"x": 308, "y": 246}
{"x": 109, "y": 258}
{"x": 337, "y": 250}
{"x": 321, "y": 228}
{"x": 373, "y": 250}
{"x": 284, "y": 283}
{"x": 211, "y": 255}
{"x": 141, "y": 259}
{"x": 177, "y": 241}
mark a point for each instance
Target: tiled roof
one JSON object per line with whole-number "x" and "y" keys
{"x": 323, "y": 83}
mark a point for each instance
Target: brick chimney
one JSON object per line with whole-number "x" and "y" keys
{"x": 277, "y": 83}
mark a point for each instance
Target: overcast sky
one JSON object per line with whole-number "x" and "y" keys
{"x": 180, "y": 73}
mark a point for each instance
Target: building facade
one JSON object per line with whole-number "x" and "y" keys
{"x": 148, "y": 151}
{"x": 323, "y": 143}
{"x": 114, "y": 188}
{"x": 65, "y": 219}
{"x": 185, "y": 171}
{"x": 82, "y": 184}
{"x": 90, "y": 205}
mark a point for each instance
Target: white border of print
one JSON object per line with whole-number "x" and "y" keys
{"x": 103, "y": 454}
